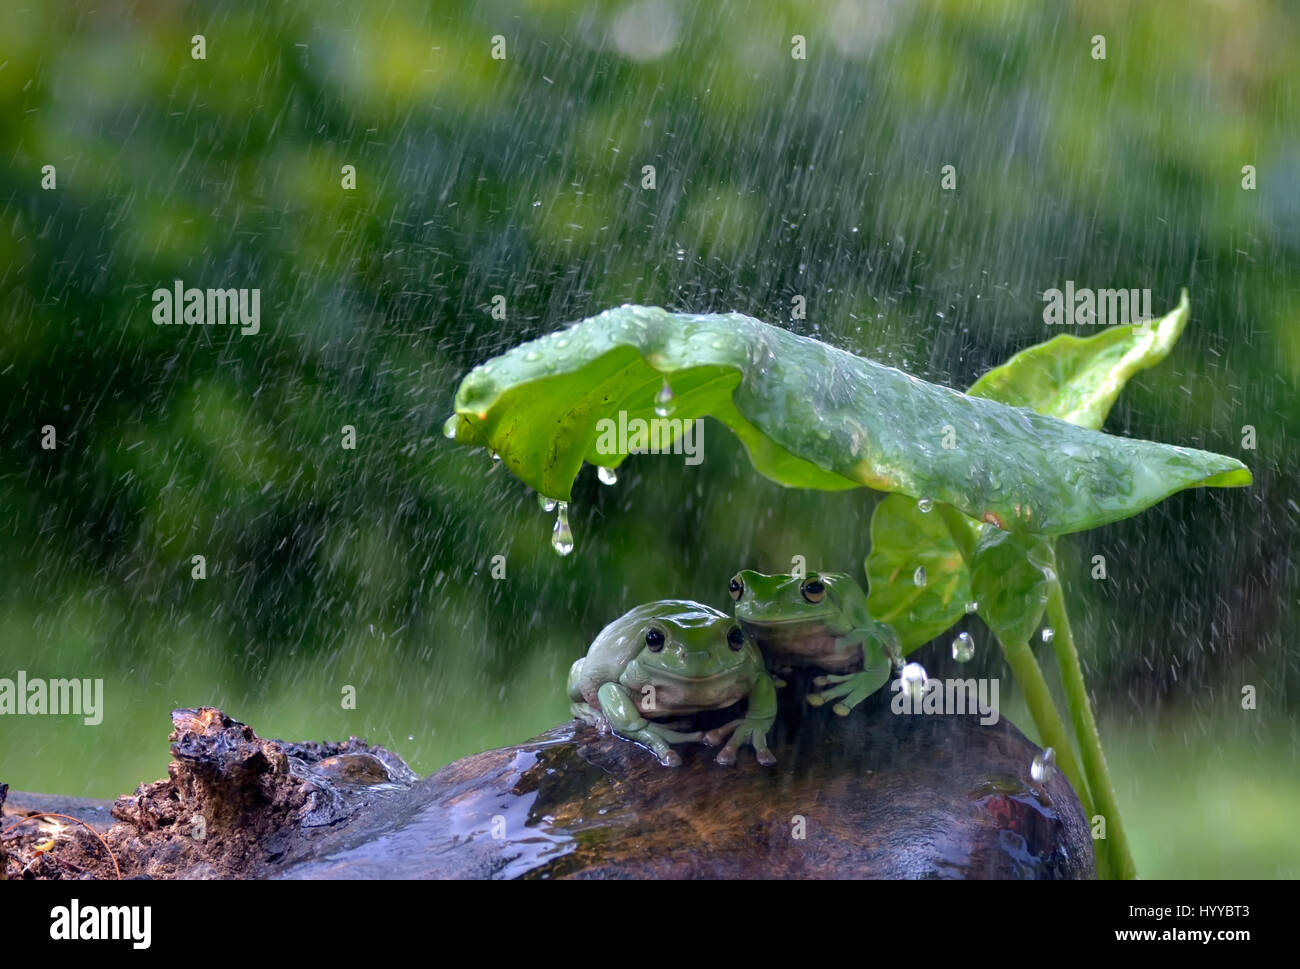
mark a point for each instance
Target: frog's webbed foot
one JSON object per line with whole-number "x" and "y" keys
{"x": 751, "y": 730}
{"x": 659, "y": 740}
{"x": 849, "y": 690}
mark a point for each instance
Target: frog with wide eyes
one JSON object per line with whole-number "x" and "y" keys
{"x": 670, "y": 659}
{"x": 822, "y": 620}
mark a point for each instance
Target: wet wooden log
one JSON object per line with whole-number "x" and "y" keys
{"x": 873, "y": 795}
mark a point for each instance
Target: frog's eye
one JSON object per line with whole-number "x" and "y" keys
{"x": 736, "y": 588}
{"x": 735, "y": 638}
{"x": 654, "y": 638}
{"x": 813, "y": 590}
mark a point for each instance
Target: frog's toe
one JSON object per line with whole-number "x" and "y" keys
{"x": 718, "y": 734}
{"x": 765, "y": 756}
{"x": 815, "y": 699}
{"x": 726, "y": 756}
{"x": 841, "y": 709}
{"x": 671, "y": 759}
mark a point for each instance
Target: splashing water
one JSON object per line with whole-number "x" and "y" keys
{"x": 1044, "y": 766}
{"x": 914, "y": 678}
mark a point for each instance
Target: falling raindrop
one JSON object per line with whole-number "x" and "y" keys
{"x": 963, "y": 647}
{"x": 924, "y": 505}
{"x": 546, "y": 504}
{"x": 1048, "y": 634}
{"x": 607, "y": 476}
{"x": 664, "y": 400}
{"x": 914, "y": 678}
{"x": 562, "y": 534}
{"x": 1044, "y": 766}
{"x": 449, "y": 428}
{"x": 919, "y": 577}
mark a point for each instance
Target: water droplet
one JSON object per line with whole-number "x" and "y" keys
{"x": 914, "y": 677}
{"x": 495, "y": 456}
{"x": 607, "y": 476}
{"x": 972, "y": 607}
{"x": 664, "y": 400}
{"x": 1049, "y": 573}
{"x": 532, "y": 356}
{"x": 410, "y": 736}
{"x": 1048, "y": 634}
{"x": 919, "y": 577}
{"x": 963, "y": 647}
{"x": 562, "y": 534}
{"x": 546, "y": 504}
{"x": 449, "y": 428}
{"x": 924, "y": 505}
{"x": 1044, "y": 766}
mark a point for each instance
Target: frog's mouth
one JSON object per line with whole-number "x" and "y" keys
{"x": 695, "y": 680}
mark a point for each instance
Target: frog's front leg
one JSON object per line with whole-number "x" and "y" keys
{"x": 854, "y": 687}
{"x": 625, "y": 720}
{"x": 752, "y": 728}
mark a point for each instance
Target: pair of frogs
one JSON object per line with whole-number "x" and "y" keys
{"x": 671, "y": 659}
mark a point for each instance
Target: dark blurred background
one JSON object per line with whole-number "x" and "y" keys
{"x": 776, "y": 177}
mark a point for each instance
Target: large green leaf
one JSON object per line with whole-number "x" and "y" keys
{"x": 1078, "y": 378}
{"x": 904, "y": 539}
{"x": 1009, "y": 577}
{"x": 1073, "y": 378}
{"x": 813, "y": 416}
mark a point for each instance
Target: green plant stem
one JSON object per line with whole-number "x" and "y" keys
{"x": 1085, "y": 728}
{"x": 959, "y": 527}
{"x": 1029, "y": 676}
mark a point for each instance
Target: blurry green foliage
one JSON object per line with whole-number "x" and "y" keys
{"x": 522, "y": 177}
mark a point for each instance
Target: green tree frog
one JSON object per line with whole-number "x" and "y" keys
{"x": 818, "y": 620}
{"x": 670, "y": 659}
